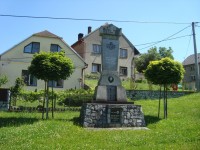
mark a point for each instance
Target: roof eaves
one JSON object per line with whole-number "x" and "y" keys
{"x": 74, "y": 51}
{"x": 136, "y": 52}
{"x": 15, "y": 46}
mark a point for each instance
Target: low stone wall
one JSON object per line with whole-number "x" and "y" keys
{"x": 145, "y": 94}
{"x": 102, "y": 115}
{"x": 36, "y": 109}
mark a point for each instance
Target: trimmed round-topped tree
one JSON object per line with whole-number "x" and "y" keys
{"x": 164, "y": 72}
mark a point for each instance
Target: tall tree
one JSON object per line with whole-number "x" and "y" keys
{"x": 164, "y": 72}
{"x": 51, "y": 66}
{"x": 153, "y": 54}
{"x": 164, "y": 52}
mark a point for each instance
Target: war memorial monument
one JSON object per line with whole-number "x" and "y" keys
{"x": 110, "y": 107}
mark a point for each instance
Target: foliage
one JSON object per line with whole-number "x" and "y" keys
{"x": 51, "y": 66}
{"x": 3, "y": 80}
{"x": 164, "y": 52}
{"x": 164, "y": 71}
{"x": 75, "y": 97}
{"x": 66, "y": 97}
{"x": 92, "y": 76}
{"x": 15, "y": 90}
{"x": 31, "y": 96}
{"x": 180, "y": 131}
{"x": 153, "y": 54}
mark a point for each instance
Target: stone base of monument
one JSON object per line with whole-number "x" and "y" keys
{"x": 105, "y": 115}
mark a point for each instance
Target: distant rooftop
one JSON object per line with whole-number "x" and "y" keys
{"x": 46, "y": 34}
{"x": 190, "y": 60}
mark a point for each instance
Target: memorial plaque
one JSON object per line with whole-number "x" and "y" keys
{"x": 115, "y": 115}
{"x": 110, "y": 54}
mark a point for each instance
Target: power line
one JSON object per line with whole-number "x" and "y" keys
{"x": 89, "y": 19}
{"x": 188, "y": 46}
{"x": 165, "y": 38}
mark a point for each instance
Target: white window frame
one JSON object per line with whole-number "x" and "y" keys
{"x": 55, "y": 84}
{"x": 123, "y": 71}
{"x": 29, "y": 79}
{"x": 96, "y": 68}
{"x": 30, "y": 48}
{"x": 58, "y": 48}
{"x": 96, "y": 49}
{"x": 123, "y": 53}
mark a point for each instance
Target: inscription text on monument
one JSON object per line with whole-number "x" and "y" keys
{"x": 115, "y": 115}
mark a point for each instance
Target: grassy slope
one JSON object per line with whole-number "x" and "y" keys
{"x": 126, "y": 84}
{"x": 180, "y": 131}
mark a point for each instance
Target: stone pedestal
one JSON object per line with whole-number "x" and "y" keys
{"x": 102, "y": 115}
{"x": 110, "y": 88}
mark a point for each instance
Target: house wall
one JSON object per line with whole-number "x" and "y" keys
{"x": 128, "y": 62}
{"x": 90, "y": 57}
{"x": 189, "y": 71}
{"x": 15, "y": 60}
{"x": 188, "y": 80}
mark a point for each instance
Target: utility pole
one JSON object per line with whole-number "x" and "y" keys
{"x": 196, "y": 59}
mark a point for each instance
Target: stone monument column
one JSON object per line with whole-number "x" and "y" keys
{"x": 109, "y": 87}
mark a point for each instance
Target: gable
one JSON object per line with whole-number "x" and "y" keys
{"x": 94, "y": 36}
{"x": 16, "y": 53}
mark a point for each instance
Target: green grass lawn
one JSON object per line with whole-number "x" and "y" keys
{"x": 92, "y": 83}
{"x": 181, "y": 131}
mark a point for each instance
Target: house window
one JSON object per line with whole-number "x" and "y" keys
{"x": 123, "y": 71}
{"x": 32, "y": 48}
{"x": 192, "y": 68}
{"x": 96, "y": 67}
{"x": 29, "y": 79}
{"x": 193, "y": 78}
{"x": 55, "y": 48}
{"x": 56, "y": 84}
{"x": 96, "y": 49}
{"x": 123, "y": 53}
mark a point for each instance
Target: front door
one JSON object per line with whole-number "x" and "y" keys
{"x": 112, "y": 93}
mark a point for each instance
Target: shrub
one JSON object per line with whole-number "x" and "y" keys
{"x": 75, "y": 97}
{"x": 92, "y": 76}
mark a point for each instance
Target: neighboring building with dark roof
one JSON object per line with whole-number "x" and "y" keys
{"x": 15, "y": 61}
{"x": 190, "y": 76}
{"x": 89, "y": 47}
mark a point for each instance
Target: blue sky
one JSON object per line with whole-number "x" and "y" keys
{"x": 14, "y": 30}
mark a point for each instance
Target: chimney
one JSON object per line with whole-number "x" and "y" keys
{"x": 89, "y": 29}
{"x": 80, "y": 36}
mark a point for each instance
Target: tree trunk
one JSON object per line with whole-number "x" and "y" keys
{"x": 45, "y": 89}
{"x": 47, "y": 102}
{"x": 165, "y": 101}
{"x": 159, "y": 102}
{"x": 52, "y": 101}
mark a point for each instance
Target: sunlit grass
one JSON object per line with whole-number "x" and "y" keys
{"x": 180, "y": 131}
{"x": 92, "y": 83}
